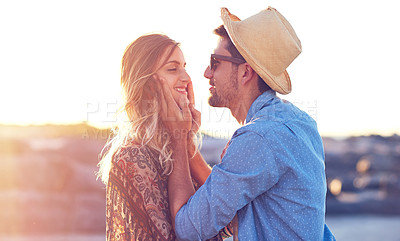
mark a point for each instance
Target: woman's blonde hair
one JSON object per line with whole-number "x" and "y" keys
{"x": 140, "y": 122}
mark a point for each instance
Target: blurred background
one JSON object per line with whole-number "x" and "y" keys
{"x": 59, "y": 91}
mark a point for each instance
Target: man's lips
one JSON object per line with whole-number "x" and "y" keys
{"x": 212, "y": 88}
{"x": 212, "y": 82}
{"x": 212, "y": 85}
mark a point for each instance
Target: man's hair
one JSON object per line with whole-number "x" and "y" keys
{"x": 221, "y": 32}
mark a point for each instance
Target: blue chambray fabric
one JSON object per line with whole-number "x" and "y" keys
{"x": 272, "y": 175}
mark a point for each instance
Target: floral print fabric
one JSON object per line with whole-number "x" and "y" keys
{"x": 137, "y": 198}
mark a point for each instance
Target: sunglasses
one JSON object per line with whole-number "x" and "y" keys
{"x": 214, "y": 57}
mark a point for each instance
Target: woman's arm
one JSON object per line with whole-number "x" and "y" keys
{"x": 180, "y": 186}
{"x": 177, "y": 118}
{"x": 199, "y": 169}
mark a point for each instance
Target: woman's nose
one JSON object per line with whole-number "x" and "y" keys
{"x": 185, "y": 76}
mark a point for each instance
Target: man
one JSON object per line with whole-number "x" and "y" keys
{"x": 272, "y": 174}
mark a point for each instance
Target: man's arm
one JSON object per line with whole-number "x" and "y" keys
{"x": 232, "y": 184}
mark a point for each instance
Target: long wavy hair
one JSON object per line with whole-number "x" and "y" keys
{"x": 139, "y": 119}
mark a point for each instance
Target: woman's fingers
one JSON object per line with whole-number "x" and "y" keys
{"x": 196, "y": 119}
{"x": 184, "y": 105}
{"x": 190, "y": 93}
{"x": 176, "y": 117}
{"x": 171, "y": 109}
{"x": 196, "y": 115}
{"x": 164, "y": 107}
{"x": 167, "y": 94}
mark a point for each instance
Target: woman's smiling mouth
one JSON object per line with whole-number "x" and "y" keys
{"x": 181, "y": 89}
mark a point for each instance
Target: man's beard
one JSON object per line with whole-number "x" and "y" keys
{"x": 227, "y": 94}
{"x": 215, "y": 100}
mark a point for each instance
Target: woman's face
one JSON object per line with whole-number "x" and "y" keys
{"x": 174, "y": 73}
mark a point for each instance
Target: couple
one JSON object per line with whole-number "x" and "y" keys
{"x": 270, "y": 184}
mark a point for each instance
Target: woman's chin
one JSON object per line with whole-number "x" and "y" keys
{"x": 178, "y": 96}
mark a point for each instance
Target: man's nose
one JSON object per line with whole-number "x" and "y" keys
{"x": 208, "y": 73}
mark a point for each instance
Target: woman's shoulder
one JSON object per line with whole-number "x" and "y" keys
{"x": 130, "y": 152}
{"x": 134, "y": 157}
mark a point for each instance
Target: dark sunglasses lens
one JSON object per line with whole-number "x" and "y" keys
{"x": 212, "y": 63}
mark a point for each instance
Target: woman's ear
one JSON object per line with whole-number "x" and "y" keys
{"x": 157, "y": 77}
{"x": 247, "y": 73}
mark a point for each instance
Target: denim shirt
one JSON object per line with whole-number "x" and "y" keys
{"x": 272, "y": 175}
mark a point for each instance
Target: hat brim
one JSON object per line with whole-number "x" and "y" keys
{"x": 280, "y": 83}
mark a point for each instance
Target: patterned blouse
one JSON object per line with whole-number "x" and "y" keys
{"x": 137, "y": 198}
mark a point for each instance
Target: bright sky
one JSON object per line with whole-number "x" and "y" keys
{"x": 60, "y": 60}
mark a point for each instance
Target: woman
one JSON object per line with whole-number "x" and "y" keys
{"x": 136, "y": 162}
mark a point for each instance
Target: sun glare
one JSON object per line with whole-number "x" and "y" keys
{"x": 58, "y": 69}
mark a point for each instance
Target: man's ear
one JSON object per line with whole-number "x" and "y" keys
{"x": 247, "y": 73}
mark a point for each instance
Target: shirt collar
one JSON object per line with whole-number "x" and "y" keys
{"x": 259, "y": 103}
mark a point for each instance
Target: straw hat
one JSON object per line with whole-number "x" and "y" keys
{"x": 267, "y": 42}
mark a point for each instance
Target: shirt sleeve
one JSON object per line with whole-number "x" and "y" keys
{"x": 247, "y": 170}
